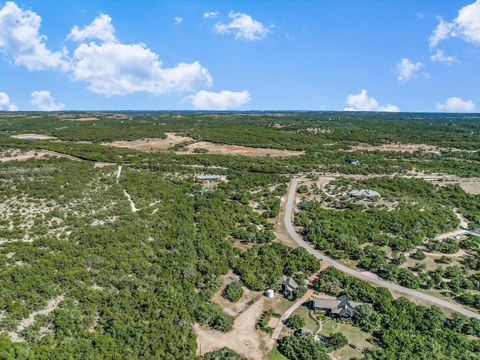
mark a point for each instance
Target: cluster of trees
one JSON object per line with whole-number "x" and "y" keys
{"x": 263, "y": 267}
{"x": 302, "y": 347}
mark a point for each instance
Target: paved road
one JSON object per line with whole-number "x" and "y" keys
{"x": 290, "y": 205}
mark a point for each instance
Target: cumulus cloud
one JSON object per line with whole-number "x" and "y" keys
{"x": 44, "y": 101}
{"x": 178, "y": 20}
{"x": 5, "y": 104}
{"x": 456, "y": 104}
{"x": 466, "y": 26}
{"x": 108, "y": 66}
{"x": 21, "y": 41}
{"x": 441, "y": 56}
{"x": 406, "y": 70}
{"x": 100, "y": 28}
{"x": 211, "y": 14}
{"x": 363, "y": 102}
{"x": 120, "y": 69}
{"x": 243, "y": 26}
{"x": 223, "y": 100}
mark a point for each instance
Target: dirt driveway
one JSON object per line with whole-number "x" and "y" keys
{"x": 243, "y": 338}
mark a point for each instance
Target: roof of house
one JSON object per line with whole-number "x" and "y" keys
{"x": 290, "y": 283}
{"x": 210, "y": 177}
{"x": 363, "y": 193}
{"x": 337, "y": 306}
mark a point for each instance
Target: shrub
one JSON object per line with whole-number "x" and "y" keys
{"x": 233, "y": 291}
{"x": 338, "y": 340}
{"x": 295, "y": 322}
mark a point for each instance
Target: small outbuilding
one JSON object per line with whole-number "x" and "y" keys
{"x": 290, "y": 287}
{"x": 269, "y": 293}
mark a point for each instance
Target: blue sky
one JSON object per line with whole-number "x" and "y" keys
{"x": 280, "y": 55}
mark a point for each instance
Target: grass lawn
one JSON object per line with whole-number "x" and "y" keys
{"x": 354, "y": 335}
{"x": 282, "y": 305}
{"x": 275, "y": 355}
{"x": 303, "y": 312}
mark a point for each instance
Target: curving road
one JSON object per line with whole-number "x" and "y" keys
{"x": 290, "y": 205}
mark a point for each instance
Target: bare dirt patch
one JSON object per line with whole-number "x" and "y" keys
{"x": 83, "y": 119}
{"x": 243, "y": 338}
{"x": 470, "y": 187}
{"x": 234, "y": 308}
{"x": 224, "y": 149}
{"x": 33, "y": 137}
{"x": 151, "y": 144}
{"x": 397, "y": 148}
{"x": 18, "y": 155}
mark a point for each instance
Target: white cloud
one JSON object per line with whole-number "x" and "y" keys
{"x": 21, "y": 41}
{"x": 466, "y": 26}
{"x": 120, "y": 69}
{"x": 363, "y": 102}
{"x": 441, "y": 56}
{"x": 406, "y": 70}
{"x": 210, "y": 14}
{"x": 441, "y": 32}
{"x": 100, "y": 28}
{"x": 223, "y": 100}
{"x": 178, "y": 20}
{"x": 456, "y": 104}
{"x": 243, "y": 26}
{"x": 44, "y": 101}
{"x": 5, "y": 103}
{"x": 109, "y": 67}
{"x": 420, "y": 15}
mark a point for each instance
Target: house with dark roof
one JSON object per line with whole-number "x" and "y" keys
{"x": 341, "y": 307}
{"x": 289, "y": 288}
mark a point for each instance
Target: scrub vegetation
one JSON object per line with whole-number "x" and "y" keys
{"x": 83, "y": 274}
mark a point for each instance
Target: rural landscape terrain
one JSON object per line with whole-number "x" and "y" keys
{"x": 239, "y": 235}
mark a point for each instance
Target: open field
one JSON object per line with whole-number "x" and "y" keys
{"x": 224, "y": 149}
{"x": 33, "y": 137}
{"x": 409, "y": 148}
{"x": 152, "y": 144}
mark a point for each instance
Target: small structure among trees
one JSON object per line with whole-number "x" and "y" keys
{"x": 290, "y": 288}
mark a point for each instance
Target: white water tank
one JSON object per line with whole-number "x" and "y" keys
{"x": 269, "y": 293}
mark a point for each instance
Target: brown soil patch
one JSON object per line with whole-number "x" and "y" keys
{"x": 243, "y": 338}
{"x": 234, "y": 308}
{"x": 84, "y": 119}
{"x": 224, "y": 149}
{"x": 19, "y": 155}
{"x": 397, "y": 148}
{"x": 33, "y": 137}
{"x": 470, "y": 187}
{"x": 150, "y": 144}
